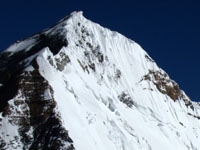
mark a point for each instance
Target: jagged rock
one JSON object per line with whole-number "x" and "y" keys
{"x": 62, "y": 61}
{"x": 126, "y": 99}
{"x": 164, "y": 84}
{"x": 198, "y": 117}
{"x": 36, "y": 114}
{"x": 118, "y": 73}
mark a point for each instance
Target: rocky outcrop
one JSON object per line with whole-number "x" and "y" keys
{"x": 126, "y": 99}
{"x": 33, "y": 112}
{"x": 164, "y": 84}
{"x": 167, "y": 86}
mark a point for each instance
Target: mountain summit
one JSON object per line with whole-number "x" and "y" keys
{"x": 79, "y": 86}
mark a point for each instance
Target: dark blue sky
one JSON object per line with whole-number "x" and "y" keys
{"x": 168, "y": 30}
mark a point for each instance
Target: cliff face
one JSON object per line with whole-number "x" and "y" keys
{"x": 32, "y": 115}
{"x": 80, "y": 86}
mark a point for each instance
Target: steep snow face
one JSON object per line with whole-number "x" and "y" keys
{"x": 109, "y": 92}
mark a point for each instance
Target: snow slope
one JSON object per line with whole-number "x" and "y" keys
{"x": 109, "y": 93}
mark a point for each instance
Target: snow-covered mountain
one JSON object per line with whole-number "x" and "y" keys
{"x": 79, "y": 86}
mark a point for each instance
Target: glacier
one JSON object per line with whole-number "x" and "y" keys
{"x": 97, "y": 88}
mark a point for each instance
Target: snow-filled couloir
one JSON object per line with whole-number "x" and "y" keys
{"x": 80, "y": 86}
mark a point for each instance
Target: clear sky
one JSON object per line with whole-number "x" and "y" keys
{"x": 168, "y": 30}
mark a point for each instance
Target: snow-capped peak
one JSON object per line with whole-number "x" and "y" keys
{"x": 79, "y": 86}
{"x": 57, "y": 29}
{"x": 75, "y": 14}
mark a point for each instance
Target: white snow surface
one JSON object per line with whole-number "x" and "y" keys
{"x": 88, "y": 102}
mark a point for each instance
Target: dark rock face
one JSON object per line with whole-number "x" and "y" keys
{"x": 55, "y": 42}
{"x": 39, "y": 126}
{"x": 126, "y": 99}
{"x": 148, "y": 58}
{"x": 62, "y": 61}
{"x": 12, "y": 64}
{"x": 2, "y": 144}
{"x": 9, "y": 74}
{"x": 164, "y": 84}
{"x": 167, "y": 86}
{"x": 197, "y": 117}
